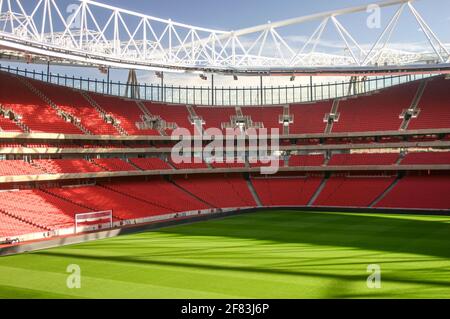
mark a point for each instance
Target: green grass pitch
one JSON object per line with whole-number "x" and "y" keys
{"x": 262, "y": 255}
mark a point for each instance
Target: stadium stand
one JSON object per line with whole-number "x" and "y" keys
{"x": 8, "y": 125}
{"x": 39, "y": 209}
{"x": 113, "y": 164}
{"x": 18, "y": 167}
{"x": 37, "y": 116}
{"x": 11, "y": 226}
{"x": 306, "y": 160}
{"x": 427, "y": 192}
{"x": 364, "y": 159}
{"x": 429, "y": 158}
{"x": 286, "y": 191}
{"x": 74, "y": 103}
{"x": 226, "y": 192}
{"x": 214, "y": 117}
{"x": 434, "y": 112}
{"x": 377, "y": 112}
{"x": 67, "y": 166}
{"x": 309, "y": 118}
{"x": 150, "y": 164}
{"x": 269, "y": 116}
{"x": 126, "y": 111}
{"x": 352, "y": 191}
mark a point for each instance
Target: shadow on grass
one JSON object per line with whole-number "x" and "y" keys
{"x": 367, "y": 232}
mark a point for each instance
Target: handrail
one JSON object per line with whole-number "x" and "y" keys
{"x": 224, "y": 96}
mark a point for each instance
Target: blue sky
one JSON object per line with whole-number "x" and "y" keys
{"x": 236, "y": 14}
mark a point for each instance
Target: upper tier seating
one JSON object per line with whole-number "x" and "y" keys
{"x": 352, "y": 191}
{"x": 306, "y": 160}
{"x": 308, "y": 118}
{"x": 67, "y": 166}
{"x": 150, "y": 164}
{"x": 18, "y": 167}
{"x": 376, "y": 112}
{"x": 171, "y": 113}
{"x": 36, "y": 115}
{"x": 73, "y": 102}
{"x": 419, "y": 192}
{"x": 126, "y": 111}
{"x": 286, "y": 191}
{"x": 268, "y": 115}
{"x": 363, "y": 159}
{"x": 113, "y": 164}
{"x": 434, "y": 110}
{"x": 215, "y": 116}
{"x": 231, "y": 191}
{"x": 8, "y": 126}
{"x": 426, "y": 158}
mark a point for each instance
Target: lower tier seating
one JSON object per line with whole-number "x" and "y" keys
{"x": 352, "y": 191}
{"x": 10, "y": 227}
{"x": 39, "y": 208}
{"x": 100, "y": 198}
{"x": 419, "y": 192}
{"x": 46, "y": 209}
{"x": 160, "y": 193}
{"x": 286, "y": 191}
{"x": 220, "y": 192}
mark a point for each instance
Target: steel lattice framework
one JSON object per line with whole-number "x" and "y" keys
{"x": 103, "y": 35}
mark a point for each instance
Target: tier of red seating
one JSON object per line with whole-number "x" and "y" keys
{"x": 427, "y": 158}
{"x": 67, "y": 166}
{"x": 352, "y": 191}
{"x": 60, "y": 166}
{"x": 114, "y": 164}
{"x": 286, "y": 191}
{"x": 306, "y": 160}
{"x": 18, "y": 167}
{"x": 74, "y": 103}
{"x": 36, "y": 114}
{"x": 45, "y": 209}
{"x": 8, "y": 125}
{"x": 363, "y": 159}
{"x": 150, "y": 164}
{"x": 433, "y": 106}
{"x": 223, "y": 192}
{"x": 376, "y": 112}
{"x": 419, "y": 192}
{"x": 126, "y": 111}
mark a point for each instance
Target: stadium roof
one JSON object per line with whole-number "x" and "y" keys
{"x": 103, "y": 35}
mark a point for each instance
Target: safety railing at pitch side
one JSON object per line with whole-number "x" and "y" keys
{"x": 224, "y": 96}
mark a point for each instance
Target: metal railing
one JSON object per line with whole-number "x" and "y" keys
{"x": 224, "y": 96}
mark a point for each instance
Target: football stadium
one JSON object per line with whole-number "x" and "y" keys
{"x": 304, "y": 157}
